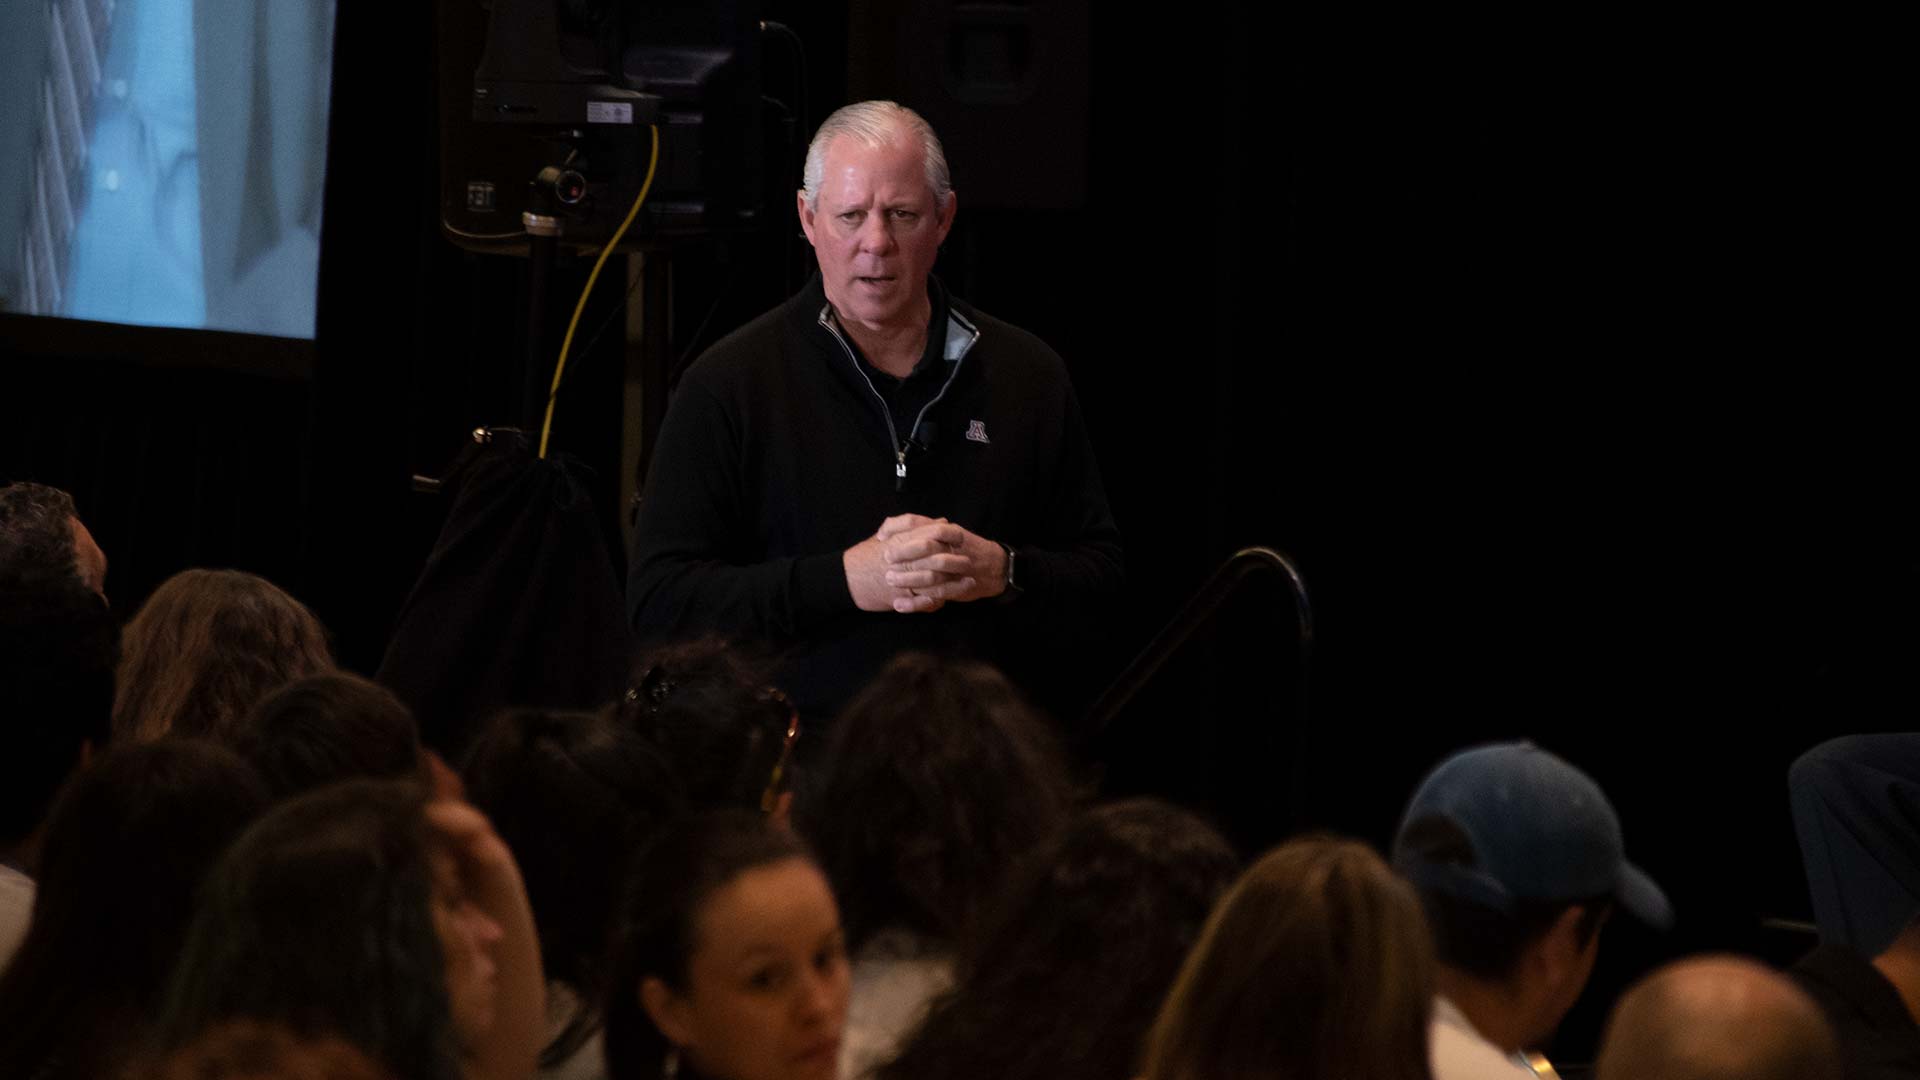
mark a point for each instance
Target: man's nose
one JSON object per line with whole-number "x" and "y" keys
{"x": 876, "y": 233}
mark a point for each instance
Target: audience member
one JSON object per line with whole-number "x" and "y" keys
{"x": 1317, "y": 965}
{"x": 247, "y": 1050}
{"x": 205, "y": 648}
{"x": 127, "y": 846}
{"x": 1068, "y": 966}
{"x": 58, "y": 649}
{"x": 364, "y": 911}
{"x": 730, "y": 963}
{"x": 573, "y": 795}
{"x": 729, "y": 735}
{"x": 1717, "y": 1018}
{"x": 939, "y": 779}
{"x": 325, "y": 728}
{"x": 42, "y": 539}
{"x": 1872, "y": 1004}
{"x": 1518, "y": 861}
{"x": 1854, "y": 807}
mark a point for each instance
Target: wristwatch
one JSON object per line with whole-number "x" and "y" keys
{"x": 1013, "y": 578}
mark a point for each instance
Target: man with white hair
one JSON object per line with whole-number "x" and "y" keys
{"x": 862, "y": 469}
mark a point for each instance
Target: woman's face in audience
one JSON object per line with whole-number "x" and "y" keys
{"x": 767, "y": 983}
{"x": 467, "y": 939}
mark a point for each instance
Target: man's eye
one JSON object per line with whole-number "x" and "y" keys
{"x": 764, "y": 979}
{"x": 905, "y": 215}
{"x": 852, "y": 217}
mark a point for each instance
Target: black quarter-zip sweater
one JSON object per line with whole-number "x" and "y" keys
{"x": 782, "y": 448}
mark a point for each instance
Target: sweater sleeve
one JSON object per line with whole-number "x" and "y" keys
{"x": 695, "y": 567}
{"x": 1074, "y": 560}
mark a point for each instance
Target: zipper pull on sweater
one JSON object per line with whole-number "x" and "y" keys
{"x": 899, "y": 470}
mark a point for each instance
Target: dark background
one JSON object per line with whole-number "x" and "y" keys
{"x": 1562, "y": 355}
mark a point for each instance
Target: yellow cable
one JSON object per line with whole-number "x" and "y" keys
{"x": 559, "y": 369}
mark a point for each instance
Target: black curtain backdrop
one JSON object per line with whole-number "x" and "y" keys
{"x": 1562, "y": 354}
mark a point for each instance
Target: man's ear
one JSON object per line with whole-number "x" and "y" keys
{"x": 947, "y": 213}
{"x": 669, "y": 1012}
{"x": 806, "y": 214}
{"x": 1563, "y": 951}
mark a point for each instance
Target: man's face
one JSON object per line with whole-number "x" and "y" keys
{"x": 875, "y": 231}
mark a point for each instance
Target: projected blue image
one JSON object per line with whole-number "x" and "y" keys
{"x": 161, "y": 161}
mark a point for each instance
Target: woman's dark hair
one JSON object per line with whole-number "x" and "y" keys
{"x": 573, "y": 795}
{"x": 672, "y": 881}
{"x": 940, "y": 778}
{"x": 319, "y": 918}
{"x": 326, "y": 728}
{"x": 127, "y": 845}
{"x": 1071, "y": 961}
{"x": 1316, "y": 966}
{"x": 205, "y": 648}
{"x": 712, "y": 712}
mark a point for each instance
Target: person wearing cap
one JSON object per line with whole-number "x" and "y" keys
{"x": 1518, "y": 861}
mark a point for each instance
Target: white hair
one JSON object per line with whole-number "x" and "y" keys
{"x": 876, "y": 124}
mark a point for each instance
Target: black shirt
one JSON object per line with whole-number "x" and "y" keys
{"x": 907, "y": 398}
{"x": 1878, "y": 1037}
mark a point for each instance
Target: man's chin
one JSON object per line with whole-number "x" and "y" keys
{"x": 878, "y": 304}
{"x": 870, "y": 312}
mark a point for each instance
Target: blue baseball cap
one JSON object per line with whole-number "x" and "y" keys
{"x": 1540, "y": 830}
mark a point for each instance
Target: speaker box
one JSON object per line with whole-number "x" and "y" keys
{"x": 1006, "y": 86}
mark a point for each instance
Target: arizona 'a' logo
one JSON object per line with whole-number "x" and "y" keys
{"x": 977, "y": 430}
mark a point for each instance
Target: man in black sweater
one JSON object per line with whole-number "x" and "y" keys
{"x": 875, "y": 466}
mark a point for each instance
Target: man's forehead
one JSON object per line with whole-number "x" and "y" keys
{"x": 854, "y": 167}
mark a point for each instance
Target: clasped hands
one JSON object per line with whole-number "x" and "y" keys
{"x": 919, "y": 564}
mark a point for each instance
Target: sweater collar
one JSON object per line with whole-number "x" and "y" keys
{"x": 956, "y": 334}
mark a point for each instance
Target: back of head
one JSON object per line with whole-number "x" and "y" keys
{"x": 1315, "y": 966}
{"x": 127, "y": 847}
{"x": 1499, "y": 841}
{"x": 59, "y": 646}
{"x": 573, "y": 795}
{"x": 712, "y": 713}
{"x": 671, "y": 881}
{"x": 206, "y": 647}
{"x": 1071, "y": 960}
{"x": 941, "y": 779}
{"x": 36, "y": 534}
{"x": 1717, "y": 1018}
{"x": 325, "y": 728}
{"x": 319, "y": 917}
{"x": 248, "y": 1050}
